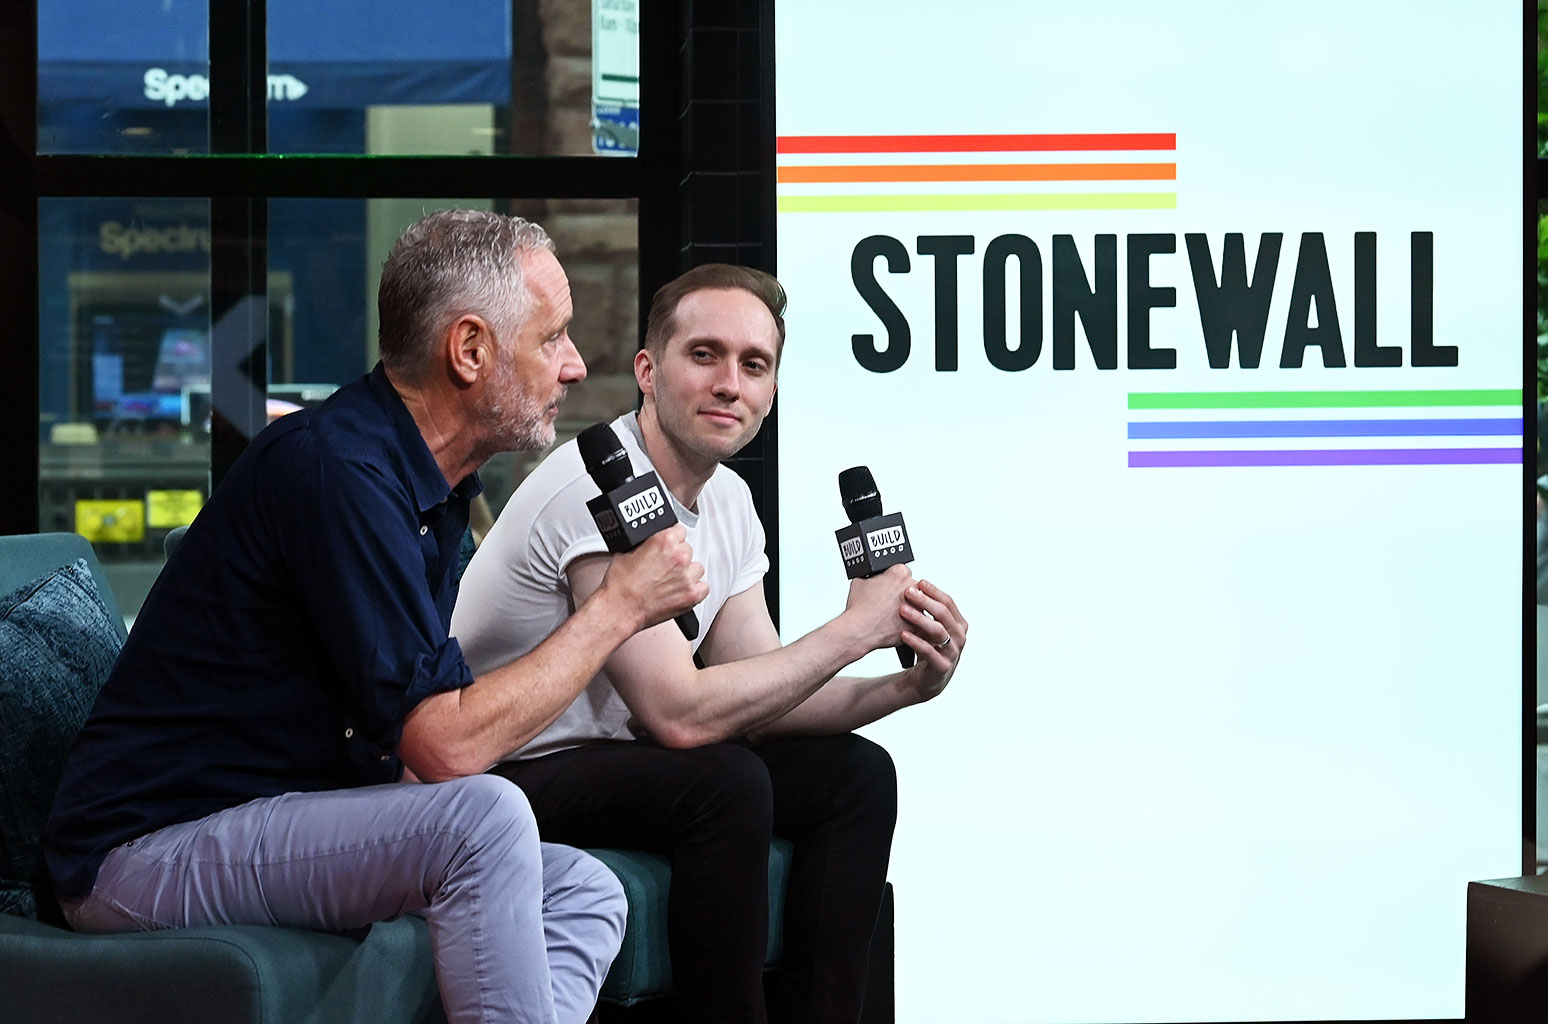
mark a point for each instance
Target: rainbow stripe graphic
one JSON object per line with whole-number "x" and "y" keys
{"x": 949, "y": 173}
{"x": 1295, "y": 428}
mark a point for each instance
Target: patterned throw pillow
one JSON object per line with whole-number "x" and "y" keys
{"x": 57, "y": 643}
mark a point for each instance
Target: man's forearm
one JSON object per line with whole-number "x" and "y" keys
{"x": 936, "y": 633}
{"x": 751, "y": 681}
{"x": 463, "y": 732}
{"x": 534, "y": 690}
{"x": 728, "y": 700}
{"x": 843, "y": 704}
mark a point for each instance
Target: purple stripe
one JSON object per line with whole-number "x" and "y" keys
{"x": 1149, "y": 429}
{"x": 1330, "y": 457}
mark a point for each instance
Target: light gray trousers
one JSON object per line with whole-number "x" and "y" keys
{"x": 522, "y": 931}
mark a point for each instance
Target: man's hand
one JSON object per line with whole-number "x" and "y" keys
{"x": 874, "y": 605}
{"x": 463, "y": 731}
{"x": 657, "y": 580}
{"x": 937, "y": 632}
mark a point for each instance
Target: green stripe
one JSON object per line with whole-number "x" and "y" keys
{"x": 958, "y": 203}
{"x": 1319, "y": 399}
{"x": 620, "y": 78}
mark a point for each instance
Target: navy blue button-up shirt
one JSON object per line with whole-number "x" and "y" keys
{"x": 302, "y": 617}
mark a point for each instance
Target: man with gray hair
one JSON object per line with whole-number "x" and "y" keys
{"x": 292, "y": 667}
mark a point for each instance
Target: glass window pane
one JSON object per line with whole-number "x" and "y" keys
{"x": 124, "y": 353}
{"x": 329, "y": 253}
{"x": 349, "y": 76}
{"x": 136, "y": 81}
{"x": 598, "y": 245}
{"x": 126, "y": 360}
{"x": 488, "y": 76}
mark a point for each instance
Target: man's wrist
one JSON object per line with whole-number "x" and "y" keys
{"x": 613, "y": 616}
{"x": 853, "y": 644}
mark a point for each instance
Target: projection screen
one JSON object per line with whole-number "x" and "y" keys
{"x": 1187, "y": 337}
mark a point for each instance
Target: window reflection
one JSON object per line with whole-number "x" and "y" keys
{"x": 502, "y": 77}
{"x": 127, "y": 362}
{"x": 136, "y": 82}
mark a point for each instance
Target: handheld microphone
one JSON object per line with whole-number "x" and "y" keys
{"x": 630, "y": 508}
{"x": 872, "y": 542}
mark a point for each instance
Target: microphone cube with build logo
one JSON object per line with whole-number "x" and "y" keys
{"x": 628, "y": 515}
{"x": 874, "y": 544}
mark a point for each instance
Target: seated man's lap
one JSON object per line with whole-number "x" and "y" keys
{"x": 640, "y": 795}
{"x": 818, "y": 778}
{"x": 336, "y": 859}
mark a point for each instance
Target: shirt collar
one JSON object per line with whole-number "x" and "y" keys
{"x": 424, "y": 475}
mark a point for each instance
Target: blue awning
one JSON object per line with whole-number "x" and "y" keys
{"x": 323, "y": 54}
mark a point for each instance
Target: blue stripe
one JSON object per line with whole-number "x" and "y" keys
{"x": 1328, "y": 428}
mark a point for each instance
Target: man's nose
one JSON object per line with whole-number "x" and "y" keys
{"x": 728, "y": 382}
{"x": 573, "y": 368}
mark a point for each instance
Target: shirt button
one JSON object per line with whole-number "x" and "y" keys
{"x": 348, "y": 733}
{"x": 386, "y": 757}
{"x": 424, "y": 530}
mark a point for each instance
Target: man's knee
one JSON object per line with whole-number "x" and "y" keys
{"x": 730, "y": 787}
{"x": 487, "y": 809}
{"x": 574, "y": 881}
{"x": 872, "y": 761}
{"x": 602, "y": 890}
{"x": 732, "y": 773}
{"x": 871, "y": 776}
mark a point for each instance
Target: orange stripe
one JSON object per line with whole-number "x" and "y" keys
{"x": 980, "y": 172}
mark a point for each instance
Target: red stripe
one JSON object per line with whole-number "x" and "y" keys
{"x": 973, "y": 143}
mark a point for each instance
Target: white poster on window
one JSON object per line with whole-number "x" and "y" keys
{"x": 1188, "y": 339}
{"x": 615, "y": 77}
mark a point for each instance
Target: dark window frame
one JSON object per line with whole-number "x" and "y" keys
{"x": 703, "y": 194}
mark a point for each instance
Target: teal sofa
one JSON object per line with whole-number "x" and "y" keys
{"x": 233, "y": 974}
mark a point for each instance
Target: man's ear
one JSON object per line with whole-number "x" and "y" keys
{"x": 644, "y": 368}
{"x": 469, "y": 347}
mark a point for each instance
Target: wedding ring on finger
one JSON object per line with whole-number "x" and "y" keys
{"x": 944, "y": 642}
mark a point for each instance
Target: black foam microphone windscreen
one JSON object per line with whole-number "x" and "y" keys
{"x": 873, "y": 541}
{"x": 630, "y": 508}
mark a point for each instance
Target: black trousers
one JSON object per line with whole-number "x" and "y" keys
{"x": 713, "y": 810}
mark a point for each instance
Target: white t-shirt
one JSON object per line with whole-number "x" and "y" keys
{"x": 515, "y": 592}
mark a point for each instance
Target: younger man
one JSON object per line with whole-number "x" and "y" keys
{"x": 706, "y": 763}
